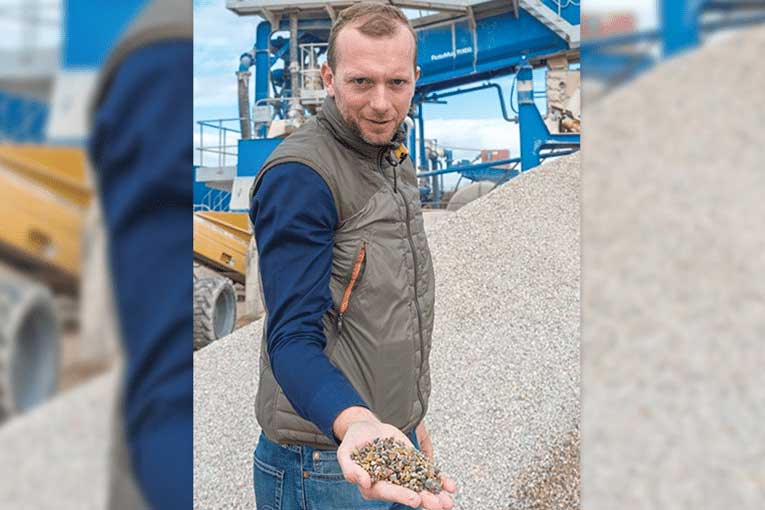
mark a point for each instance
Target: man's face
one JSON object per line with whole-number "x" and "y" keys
{"x": 373, "y": 82}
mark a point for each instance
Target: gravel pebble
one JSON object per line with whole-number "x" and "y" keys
{"x": 391, "y": 460}
{"x": 674, "y": 301}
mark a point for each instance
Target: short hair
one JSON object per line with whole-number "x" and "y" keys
{"x": 374, "y": 20}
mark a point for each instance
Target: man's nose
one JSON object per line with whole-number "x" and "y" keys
{"x": 379, "y": 101}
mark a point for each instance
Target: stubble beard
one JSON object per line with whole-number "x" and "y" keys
{"x": 356, "y": 129}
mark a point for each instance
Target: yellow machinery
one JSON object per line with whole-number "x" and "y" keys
{"x": 44, "y": 196}
{"x": 44, "y": 199}
{"x": 221, "y": 240}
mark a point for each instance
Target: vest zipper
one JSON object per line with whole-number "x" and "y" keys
{"x": 395, "y": 173}
{"x": 394, "y": 163}
{"x": 349, "y": 289}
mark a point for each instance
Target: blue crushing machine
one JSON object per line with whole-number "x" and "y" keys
{"x": 463, "y": 45}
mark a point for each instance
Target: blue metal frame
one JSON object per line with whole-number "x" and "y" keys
{"x": 90, "y": 31}
{"x": 441, "y": 68}
{"x": 421, "y": 127}
{"x": 449, "y": 56}
{"x": 679, "y": 25}
{"x": 535, "y": 136}
{"x": 681, "y": 28}
{"x": 261, "y": 59}
{"x": 253, "y": 153}
{"x": 494, "y": 165}
{"x": 23, "y": 119}
{"x": 496, "y": 55}
{"x": 435, "y": 96}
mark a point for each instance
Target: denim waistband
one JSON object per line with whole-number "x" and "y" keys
{"x": 309, "y": 455}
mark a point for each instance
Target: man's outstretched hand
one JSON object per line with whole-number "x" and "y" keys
{"x": 357, "y": 426}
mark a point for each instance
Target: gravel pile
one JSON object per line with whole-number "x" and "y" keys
{"x": 225, "y": 429}
{"x": 674, "y": 302}
{"x": 505, "y": 358}
{"x": 56, "y": 456}
{"x": 504, "y": 408}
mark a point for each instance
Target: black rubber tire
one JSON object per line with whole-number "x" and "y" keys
{"x": 29, "y": 346}
{"x": 214, "y": 309}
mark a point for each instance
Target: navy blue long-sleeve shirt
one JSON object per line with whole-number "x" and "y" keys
{"x": 294, "y": 218}
{"x": 141, "y": 148}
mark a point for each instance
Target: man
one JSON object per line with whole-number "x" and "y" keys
{"x": 347, "y": 281}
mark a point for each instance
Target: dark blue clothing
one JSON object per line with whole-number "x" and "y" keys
{"x": 141, "y": 147}
{"x": 294, "y": 216}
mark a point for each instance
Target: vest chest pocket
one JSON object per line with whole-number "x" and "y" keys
{"x": 357, "y": 272}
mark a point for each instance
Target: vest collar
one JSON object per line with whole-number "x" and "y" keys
{"x": 331, "y": 116}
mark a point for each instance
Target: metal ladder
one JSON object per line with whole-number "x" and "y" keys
{"x": 552, "y": 20}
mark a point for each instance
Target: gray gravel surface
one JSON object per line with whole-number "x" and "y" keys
{"x": 674, "y": 302}
{"x": 505, "y": 361}
{"x": 225, "y": 429}
{"x": 505, "y": 358}
{"x": 56, "y": 456}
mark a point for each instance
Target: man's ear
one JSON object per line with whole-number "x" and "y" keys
{"x": 328, "y": 78}
{"x": 416, "y": 73}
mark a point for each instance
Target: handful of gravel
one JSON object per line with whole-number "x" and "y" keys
{"x": 392, "y": 461}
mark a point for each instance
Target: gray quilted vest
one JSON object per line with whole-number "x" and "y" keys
{"x": 379, "y": 328}
{"x": 158, "y": 21}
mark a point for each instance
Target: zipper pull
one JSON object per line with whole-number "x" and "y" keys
{"x": 339, "y": 322}
{"x": 394, "y": 161}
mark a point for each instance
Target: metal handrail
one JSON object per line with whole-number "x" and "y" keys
{"x": 213, "y": 200}
{"x": 221, "y": 148}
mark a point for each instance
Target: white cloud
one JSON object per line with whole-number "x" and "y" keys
{"x": 215, "y": 90}
{"x": 215, "y": 25}
{"x": 220, "y": 36}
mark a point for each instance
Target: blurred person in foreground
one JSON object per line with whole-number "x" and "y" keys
{"x": 141, "y": 154}
{"x": 347, "y": 279}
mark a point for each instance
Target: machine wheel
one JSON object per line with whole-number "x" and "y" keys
{"x": 214, "y": 309}
{"x": 29, "y": 346}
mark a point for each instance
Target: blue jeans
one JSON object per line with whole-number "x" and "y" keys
{"x": 295, "y": 477}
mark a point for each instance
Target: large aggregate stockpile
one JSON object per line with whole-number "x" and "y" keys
{"x": 56, "y": 455}
{"x": 504, "y": 408}
{"x": 674, "y": 301}
{"x": 505, "y": 360}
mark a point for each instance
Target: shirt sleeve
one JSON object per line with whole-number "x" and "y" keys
{"x": 294, "y": 217}
{"x": 142, "y": 155}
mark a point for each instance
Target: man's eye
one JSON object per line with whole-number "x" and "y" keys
{"x": 360, "y": 81}
{"x": 398, "y": 83}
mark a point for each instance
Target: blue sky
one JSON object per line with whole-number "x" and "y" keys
{"x": 471, "y": 120}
